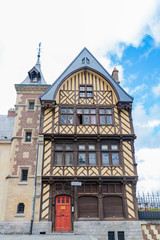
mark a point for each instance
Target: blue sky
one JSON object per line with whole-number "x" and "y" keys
{"x": 141, "y": 79}
{"x": 123, "y": 34}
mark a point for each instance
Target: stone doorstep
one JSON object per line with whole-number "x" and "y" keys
{"x": 61, "y": 233}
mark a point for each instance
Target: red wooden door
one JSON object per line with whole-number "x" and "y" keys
{"x": 63, "y": 213}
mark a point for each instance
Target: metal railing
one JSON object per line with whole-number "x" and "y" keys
{"x": 149, "y": 206}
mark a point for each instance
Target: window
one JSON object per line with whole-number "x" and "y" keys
{"x": 20, "y": 208}
{"x": 28, "y": 136}
{"x": 110, "y": 154}
{"x": 86, "y": 116}
{"x": 63, "y": 154}
{"x": 85, "y": 60}
{"x": 31, "y": 105}
{"x": 85, "y": 91}
{"x": 24, "y": 175}
{"x": 105, "y": 116}
{"x": 111, "y": 236}
{"x": 66, "y": 116}
{"x": 34, "y": 76}
{"x": 120, "y": 235}
{"x": 86, "y": 154}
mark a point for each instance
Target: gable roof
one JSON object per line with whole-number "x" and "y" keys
{"x": 85, "y": 60}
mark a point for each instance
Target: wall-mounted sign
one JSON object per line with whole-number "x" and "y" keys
{"x": 76, "y": 183}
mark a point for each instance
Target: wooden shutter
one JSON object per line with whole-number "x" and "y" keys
{"x": 113, "y": 206}
{"x": 88, "y": 207}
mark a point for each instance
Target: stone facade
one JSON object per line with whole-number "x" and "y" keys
{"x": 100, "y": 229}
{"x": 23, "y": 154}
{"x": 5, "y": 148}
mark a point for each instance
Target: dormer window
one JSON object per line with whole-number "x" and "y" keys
{"x": 85, "y": 60}
{"x": 34, "y": 76}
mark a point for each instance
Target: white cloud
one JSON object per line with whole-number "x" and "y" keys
{"x": 156, "y": 90}
{"x": 139, "y": 88}
{"x": 154, "y": 123}
{"x": 148, "y": 169}
{"x": 144, "y": 124}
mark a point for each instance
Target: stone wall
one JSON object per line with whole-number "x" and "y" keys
{"x": 24, "y": 227}
{"x": 100, "y": 229}
{"x": 133, "y": 230}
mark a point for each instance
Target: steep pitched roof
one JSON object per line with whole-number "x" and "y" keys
{"x": 86, "y": 60}
{"x": 41, "y": 80}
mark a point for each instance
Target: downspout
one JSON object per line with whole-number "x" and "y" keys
{"x": 35, "y": 177}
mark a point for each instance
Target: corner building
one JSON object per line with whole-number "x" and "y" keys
{"x": 86, "y": 136}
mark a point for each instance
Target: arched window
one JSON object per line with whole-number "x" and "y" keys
{"x": 20, "y": 208}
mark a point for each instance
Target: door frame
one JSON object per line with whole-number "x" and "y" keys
{"x": 54, "y": 211}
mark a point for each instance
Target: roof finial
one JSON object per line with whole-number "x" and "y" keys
{"x": 38, "y": 56}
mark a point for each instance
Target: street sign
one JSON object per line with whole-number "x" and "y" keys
{"x": 76, "y": 183}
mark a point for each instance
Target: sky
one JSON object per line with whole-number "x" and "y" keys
{"x": 123, "y": 34}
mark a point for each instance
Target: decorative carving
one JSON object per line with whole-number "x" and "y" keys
{"x": 124, "y": 105}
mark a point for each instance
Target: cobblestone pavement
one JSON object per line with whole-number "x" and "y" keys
{"x": 46, "y": 237}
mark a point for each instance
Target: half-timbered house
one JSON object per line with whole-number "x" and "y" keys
{"x": 88, "y": 170}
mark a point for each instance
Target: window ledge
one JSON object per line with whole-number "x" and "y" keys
{"x": 19, "y": 215}
{"x": 23, "y": 183}
{"x": 27, "y": 142}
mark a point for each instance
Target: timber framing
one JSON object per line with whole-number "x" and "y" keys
{"x": 88, "y": 135}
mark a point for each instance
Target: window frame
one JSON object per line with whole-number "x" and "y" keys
{"x": 83, "y": 114}
{"x": 21, "y": 179}
{"x": 110, "y": 151}
{"x": 67, "y": 114}
{"x": 105, "y": 114}
{"x": 26, "y": 132}
{"x": 18, "y": 208}
{"x": 111, "y": 235}
{"x": 64, "y": 150}
{"x": 86, "y": 151}
{"x": 31, "y": 102}
{"x": 85, "y": 91}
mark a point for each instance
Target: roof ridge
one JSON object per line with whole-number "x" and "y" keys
{"x": 94, "y": 65}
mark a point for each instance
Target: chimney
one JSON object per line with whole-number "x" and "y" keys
{"x": 11, "y": 112}
{"x": 115, "y": 75}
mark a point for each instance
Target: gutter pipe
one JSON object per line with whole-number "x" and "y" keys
{"x": 35, "y": 177}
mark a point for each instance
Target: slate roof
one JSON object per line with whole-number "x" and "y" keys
{"x": 6, "y": 127}
{"x": 41, "y": 81}
{"x": 94, "y": 65}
